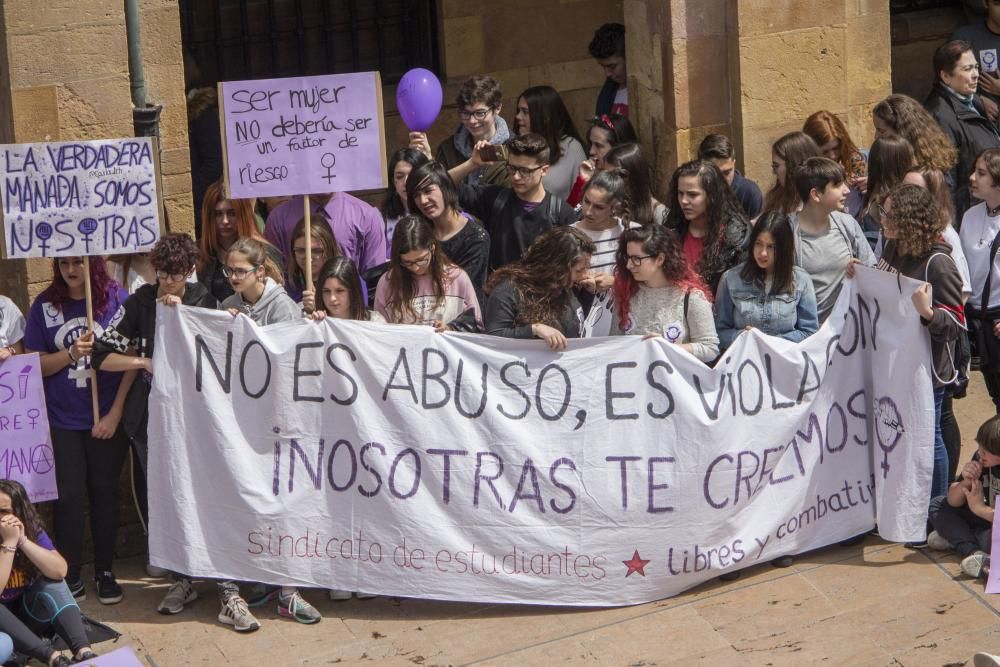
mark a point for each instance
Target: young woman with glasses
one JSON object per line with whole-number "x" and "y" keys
{"x": 657, "y": 293}
{"x": 422, "y": 286}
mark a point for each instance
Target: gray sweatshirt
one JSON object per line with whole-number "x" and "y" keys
{"x": 274, "y": 305}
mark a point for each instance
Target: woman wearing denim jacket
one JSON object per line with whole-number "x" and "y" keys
{"x": 767, "y": 291}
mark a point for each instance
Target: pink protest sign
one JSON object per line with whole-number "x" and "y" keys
{"x": 25, "y": 447}
{"x": 303, "y": 135}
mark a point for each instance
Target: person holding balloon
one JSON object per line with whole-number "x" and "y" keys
{"x": 479, "y": 102}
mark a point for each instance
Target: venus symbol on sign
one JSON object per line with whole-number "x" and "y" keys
{"x": 329, "y": 160}
{"x": 87, "y": 227}
{"x": 888, "y": 429}
{"x": 44, "y": 232}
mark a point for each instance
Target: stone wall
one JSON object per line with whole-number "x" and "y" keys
{"x": 915, "y": 37}
{"x": 65, "y": 77}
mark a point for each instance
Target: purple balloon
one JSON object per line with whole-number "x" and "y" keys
{"x": 418, "y": 98}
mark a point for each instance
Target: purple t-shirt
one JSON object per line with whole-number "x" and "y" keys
{"x": 67, "y": 393}
{"x": 19, "y": 581}
{"x": 356, "y": 226}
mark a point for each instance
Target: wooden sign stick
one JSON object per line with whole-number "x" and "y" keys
{"x": 309, "y": 254}
{"x": 90, "y": 329}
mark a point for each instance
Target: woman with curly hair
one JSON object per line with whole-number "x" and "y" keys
{"x": 541, "y": 110}
{"x": 88, "y": 455}
{"x": 35, "y": 600}
{"x": 223, "y": 222}
{"x": 787, "y": 153}
{"x": 956, "y": 107}
{"x": 835, "y": 143}
{"x": 709, "y": 220}
{"x": 902, "y": 116}
{"x": 128, "y": 345}
{"x": 533, "y": 298}
{"x": 628, "y": 159}
{"x": 767, "y": 292}
{"x": 912, "y": 224}
{"x": 658, "y": 293}
{"x": 890, "y": 159}
{"x": 422, "y": 286}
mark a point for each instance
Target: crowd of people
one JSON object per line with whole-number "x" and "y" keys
{"x": 533, "y": 230}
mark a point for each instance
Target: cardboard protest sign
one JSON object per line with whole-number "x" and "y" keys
{"x": 303, "y": 135}
{"x": 25, "y": 445}
{"x": 397, "y": 461}
{"x": 78, "y": 198}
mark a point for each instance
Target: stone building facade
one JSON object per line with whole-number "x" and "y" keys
{"x": 753, "y": 69}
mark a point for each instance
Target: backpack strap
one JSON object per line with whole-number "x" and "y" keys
{"x": 499, "y": 204}
{"x": 687, "y": 300}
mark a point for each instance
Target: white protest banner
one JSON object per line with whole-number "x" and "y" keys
{"x": 397, "y": 461}
{"x": 303, "y": 135}
{"x": 78, "y": 198}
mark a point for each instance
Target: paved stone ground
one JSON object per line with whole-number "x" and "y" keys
{"x": 870, "y": 604}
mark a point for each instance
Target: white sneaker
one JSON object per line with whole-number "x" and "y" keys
{"x": 938, "y": 543}
{"x": 236, "y": 613}
{"x": 156, "y": 572}
{"x": 365, "y": 596}
{"x": 180, "y": 594}
{"x": 338, "y": 595}
{"x": 977, "y": 565}
{"x": 986, "y": 660}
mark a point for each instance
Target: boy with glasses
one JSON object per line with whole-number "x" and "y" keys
{"x": 479, "y": 101}
{"x": 514, "y": 216}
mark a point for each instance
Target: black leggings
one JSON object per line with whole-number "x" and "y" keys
{"x": 951, "y": 434}
{"x": 992, "y": 379}
{"x": 86, "y": 466}
{"x": 46, "y": 604}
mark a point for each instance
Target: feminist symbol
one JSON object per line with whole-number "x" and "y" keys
{"x": 888, "y": 429}
{"x": 332, "y": 160}
{"x": 87, "y": 227}
{"x": 44, "y": 232}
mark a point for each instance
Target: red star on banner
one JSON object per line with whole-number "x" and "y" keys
{"x": 636, "y": 564}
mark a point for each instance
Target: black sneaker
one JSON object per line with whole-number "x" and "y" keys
{"x": 78, "y": 590}
{"x": 917, "y": 546}
{"x": 108, "y": 590}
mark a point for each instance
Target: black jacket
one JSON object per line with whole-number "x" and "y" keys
{"x": 971, "y": 133}
{"x": 606, "y": 98}
{"x": 137, "y": 329}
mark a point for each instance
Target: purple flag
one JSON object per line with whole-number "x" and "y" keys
{"x": 25, "y": 444}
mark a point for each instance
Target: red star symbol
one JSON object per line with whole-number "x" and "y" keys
{"x": 636, "y": 564}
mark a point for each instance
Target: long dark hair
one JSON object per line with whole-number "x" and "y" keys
{"x": 392, "y": 205}
{"x": 618, "y": 127}
{"x": 541, "y": 277}
{"x": 25, "y": 511}
{"x": 721, "y": 206}
{"x": 638, "y": 175}
{"x": 656, "y": 240}
{"x": 57, "y": 293}
{"x": 779, "y": 226}
{"x": 344, "y": 270}
{"x": 431, "y": 173}
{"x": 890, "y": 159}
{"x": 321, "y": 231}
{"x": 549, "y": 118}
{"x": 793, "y": 148}
{"x": 412, "y": 233}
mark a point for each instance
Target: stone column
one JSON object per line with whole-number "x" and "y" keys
{"x": 753, "y": 69}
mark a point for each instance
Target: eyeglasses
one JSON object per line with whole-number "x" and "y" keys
{"x": 423, "y": 261}
{"x": 172, "y": 277}
{"x": 882, "y": 213}
{"x": 478, "y": 114}
{"x": 228, "y": 212}
{"x": 635, "y": 260}
{"x": 239, "y": 272}
{"x": 523, "y": 172}
{"x": 301, "y": 252}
